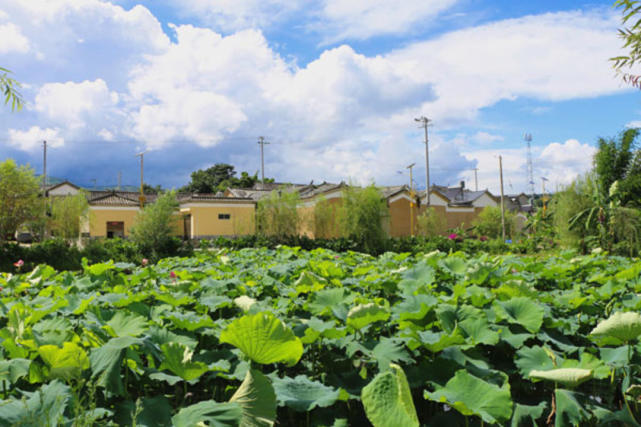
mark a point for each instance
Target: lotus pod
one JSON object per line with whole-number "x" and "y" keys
{"x": 569, "y": 377}
{"x": 623, "y": 326}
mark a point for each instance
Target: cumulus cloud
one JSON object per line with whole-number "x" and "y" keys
{"x": 74, "y": 104}
{"x": 559, "y": 163}
{"x": 12, "y": 39}
{"x": 32, "y": 138}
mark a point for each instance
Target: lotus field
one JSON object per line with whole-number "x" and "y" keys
{"x": 259, "y": 337}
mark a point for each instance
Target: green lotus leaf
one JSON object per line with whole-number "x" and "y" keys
{"x": 387, "y": 400}
{"x": 454, "y": 265}
{"x": 106, "y": 362}
{"x": 522, "y": 311}
{"x": 178, "y": 361}
{"x": 67, "y": 362}
{"x": 569, "y": 377}
{"x": 264, "y": 339}
{"x": 472, "y": 396}
{"x": 302, "y": 394}
{"x": 257, "y": 399}
{"x": 478, "y": 331}
{"x": 44, "y": 407}
{"x": 14, "y": 369}
{"x": 569, "y": 410}
{"x": 439, "y": 341}
{"x": 622, "y": 326}
{"x": 127, "y": 324}
{"x": 210, "y": 412}
{"x": 526, "y": 415}
{"x": 362, "y": 315}
{"x": 534, "y": 358}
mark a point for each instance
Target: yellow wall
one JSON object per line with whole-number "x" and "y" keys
{"x": 399, "y": 218}
{"x": 455, "y": 219}
{"x": 98, "y": 219}
{"x": 205, "y": 222}
{"x": 306, "y": 217}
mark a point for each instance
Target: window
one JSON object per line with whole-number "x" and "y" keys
{"x": 224, "y": 216}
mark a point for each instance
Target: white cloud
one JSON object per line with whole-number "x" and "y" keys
{"x": 486, "y": 137}
{"x": 234, "y": 15}
{"x": 362, "y": 19}
{"x": 554, "y": 56}
{"x": 633, "y": 124}
{"x": 12, "y": 39}
{"x": 72, "y": 104}
{"x": 560, "y": 163}
{"x": 33, "y": 137}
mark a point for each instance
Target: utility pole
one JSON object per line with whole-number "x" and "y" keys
{"x": 262, "y": 142}
{"x": 425, "y": 122}
{"x": 502, "y": 200}
{"x": 44, "y": 168}
{"x": 530, "y": 167}
{"x": 142, "y": 194}
{"x": 119, "y": 179}
{"x": 411, "y": 200}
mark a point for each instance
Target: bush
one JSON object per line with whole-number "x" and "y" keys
{"x": 362, "y": 215}
{"x": 153, "y": 228}
{"x": 488, "y": 223}
{"x": 430, "y": 223}
{"x": 277, "y": 214}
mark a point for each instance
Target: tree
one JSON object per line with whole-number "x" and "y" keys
{"x": 324, "y": 219}
{"x": 617, "y": 160}
{"x": 631, "y": 36}
{"x": 9, "y": 88}
{"x": 430, "y": 223}
{"x": 67, "y": 214}
{"x": 488, "y": 222}
{"x": 19, "y": 201}
{"x": 154, "y": 225}
{"x": 362, "y": 215}
{"x": 277, "y": 214}
{"x": 218, "y": 178}
{"x": 149, "y": 189}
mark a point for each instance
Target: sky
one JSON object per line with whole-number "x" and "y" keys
{"x": 334, "y": 86}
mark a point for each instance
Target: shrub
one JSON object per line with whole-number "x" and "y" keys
{"x": 277, "y": 214}
{"x": 430, "y": 223}
{"x": 488, "y": 223}
{"x": 153, "y": 227}
{"x": 362, "y": 215}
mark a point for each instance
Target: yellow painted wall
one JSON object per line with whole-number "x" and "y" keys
{"x": 306, "y": 217}
{"x": 98, "y": 220}
{"x": 205, "y": 220}
{"x": 455, "y": 219}
{"x": 399, "y": 218}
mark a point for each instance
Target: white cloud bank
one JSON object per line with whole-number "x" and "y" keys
{"x": 343, "y": 115}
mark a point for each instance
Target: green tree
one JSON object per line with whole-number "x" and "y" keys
{"x": 362, "y": 216}
{"x": 67, "y": 215}
{"x": 153, "y": 227}
{"x": 277, "y": 214}
{"x": 149, "y": 189}
{"x": 618, "y": 160}
{"x": 488, "y": 222}
{"x": 218, "y": 178}
{"x": 324, "y": 219}
{"x": 430, "y": 223}
{"x": 19, "y": 197}
{"x": 9, "y": 88}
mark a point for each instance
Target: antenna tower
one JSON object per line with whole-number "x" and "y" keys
{"x": 530, "y": 167}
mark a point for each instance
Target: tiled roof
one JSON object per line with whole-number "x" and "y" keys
{"x": 457, "y": 196}
{"x": 111, "y": 199}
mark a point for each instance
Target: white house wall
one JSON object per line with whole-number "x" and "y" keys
{"x": 484, "y": 201}
{"x": 63, "y": 190}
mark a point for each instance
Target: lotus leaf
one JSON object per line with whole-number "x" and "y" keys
{"x": 388, "y": 400}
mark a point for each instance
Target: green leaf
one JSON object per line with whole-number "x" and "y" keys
{"x": 213, "y": 413}
{"x": 454, "y": 265}
{"x": 526, "y": 415}
{"x": 522, "y": 311}
{"x": 622, "y": 326}
{"x": 44, "y": 407}
{"x": 14, "y": 369}
{"x": 178, "y": 361}
{"x": 533, "y": 358}
{"x": 106, "y": 362}
{"x": 472, "y": 396}
{"x": 478, "y": 331}
{"x": 257, "y": 399}
{"x": 67, "y": 362}
{"x": 438, "y": 341}
{"x": 127, "y": 324}
{"x": 569, "y": 410}
{"x": 387, "y": 400}
{"x": 569, "y": 377}
{"x": 302, "y": 395}
{"x": 264, "y": 339}
{"x": 362, "y": 315}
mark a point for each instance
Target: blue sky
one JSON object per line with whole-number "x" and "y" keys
{"x": 333, "y": 85}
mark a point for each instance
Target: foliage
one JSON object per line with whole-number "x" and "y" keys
{"x": 68, "y": 213}
{"x": 488, "y": 222}
{"x": 150, "y": 189}
{"x": 325, "y": 219}
{"x": 431, "y": 223}
{"x": 362, "y": 216}
{"x": 277, "y": 214}
{"x": 430, "y": 339}
{"x": 9, "y": 88}
{"x": 219, "y": 177}
{"x": 19, "y": 201}
{"x": 153, "y": 227}
{"x": 618, "y": 160}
